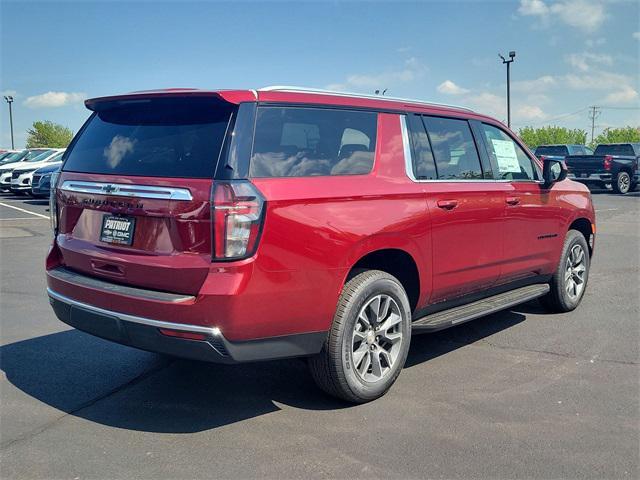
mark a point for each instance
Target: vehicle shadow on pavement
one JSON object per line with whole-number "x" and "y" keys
{"x": 125, "y": 388}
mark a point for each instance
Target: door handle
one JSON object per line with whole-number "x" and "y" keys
{"x": 512, "y": 200}
{"x": 447, "y": 204}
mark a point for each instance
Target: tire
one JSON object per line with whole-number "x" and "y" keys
{"x": 563, "y": 297}
{"x": 622, "y": 183}
{"x": 346, "y": 367}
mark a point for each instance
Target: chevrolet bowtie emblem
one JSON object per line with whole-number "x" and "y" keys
{"x": 109, "y": 188}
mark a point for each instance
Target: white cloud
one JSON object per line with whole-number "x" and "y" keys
{"x": 528, "y": 112}
{"x": 539, "y": 84}
{"x": 636, "y": 35}
{"x": 624, "y": 95}
{"x": 583, "y": 61}
{"x": 449, "y": 88}
{"x": 413, "y": 70}
{"x": 54, "y": 99}
{"x": 533, "y": 7}
{"x": 595, "y": 42}
{"x": 587, "y": 15}
{"x": 12, "y": 93}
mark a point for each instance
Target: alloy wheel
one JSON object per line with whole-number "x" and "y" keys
{"x": 377, "y": 338}
{"x": 575, "y": 270}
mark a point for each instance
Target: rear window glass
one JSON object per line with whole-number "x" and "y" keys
{"x": 558, "y": 150}
{"x": 301, "y": 142}
{"x": 615, "y": 150}
{"x": 155, "y": 138}
{"x": 453, "y": 148}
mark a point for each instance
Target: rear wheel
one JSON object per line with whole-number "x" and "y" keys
{"x": 569, "y": 282}
{"x": 369, "y": 339}
{"x": 622, "y": 183}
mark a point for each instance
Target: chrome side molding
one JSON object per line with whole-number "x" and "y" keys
{"x": 126, "y": 190}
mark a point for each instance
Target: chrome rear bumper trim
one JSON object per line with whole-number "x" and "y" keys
{"x": 211, "y": 331}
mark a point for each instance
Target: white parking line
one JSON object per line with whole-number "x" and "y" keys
{"x": 606, "y": 210}
{"x": 25, "y": 211}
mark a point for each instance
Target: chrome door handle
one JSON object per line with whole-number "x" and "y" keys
{"x": 447, "y": 204}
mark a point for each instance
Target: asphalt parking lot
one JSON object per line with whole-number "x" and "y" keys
{"x": 519, "y": 394}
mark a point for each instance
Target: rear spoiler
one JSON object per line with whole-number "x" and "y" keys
{"x": 230, "y": 96}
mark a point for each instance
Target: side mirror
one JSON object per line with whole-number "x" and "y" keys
{"x": 553, "y": 171}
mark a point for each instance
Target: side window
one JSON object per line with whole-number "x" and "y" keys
{"x": 424, "y": 166}
{"x": 512, "y": 162}
{"x": 302, "y": 142}
{"x": 453, "y": 148}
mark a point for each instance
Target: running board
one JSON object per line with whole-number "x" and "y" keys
{"x": 471, "y": 311}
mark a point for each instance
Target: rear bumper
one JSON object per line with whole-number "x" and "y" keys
{"x": 592, "y": 177}
{"x": 145, "y": 333}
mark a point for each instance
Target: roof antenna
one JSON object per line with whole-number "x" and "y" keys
{"x": 377, "y": 92}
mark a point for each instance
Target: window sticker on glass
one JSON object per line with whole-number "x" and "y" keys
{"x": 506, "y": 156}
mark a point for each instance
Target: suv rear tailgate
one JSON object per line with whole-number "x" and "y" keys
{"x": 171, "y": 247}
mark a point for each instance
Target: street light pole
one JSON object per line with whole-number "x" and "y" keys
{"x": 512, "y": 56}
{"x": 9, "y": 100}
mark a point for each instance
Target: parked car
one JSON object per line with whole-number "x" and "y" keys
{"x": 613, "y": 163}
{"x": 41, "y": 181}
{"x": 241, "y": 225}
{"x": 559, "y": 152}
{"x": 21, "y": 175}
{"x": 7, "y": 168}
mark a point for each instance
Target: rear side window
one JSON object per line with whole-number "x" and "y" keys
{"x": 507, "y": 155}
{"x": 155, "y": 138}
{"x": 424, "y": 166}
{"x": 302, "y": 142}
{"x": 453, "y": 148}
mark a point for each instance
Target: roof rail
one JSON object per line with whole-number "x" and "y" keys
{"x": 288, "y": 88}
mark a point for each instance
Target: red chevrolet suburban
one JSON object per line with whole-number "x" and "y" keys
{"x": 242, "y": 225}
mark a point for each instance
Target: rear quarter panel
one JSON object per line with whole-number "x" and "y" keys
{"x": 317, "y": 228}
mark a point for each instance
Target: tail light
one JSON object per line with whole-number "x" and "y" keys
{"x": 237, "y": 210}
{"x": 608, "y": 160}
{"x": 53, "y": 203}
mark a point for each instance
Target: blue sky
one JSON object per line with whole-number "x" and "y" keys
{"x": 570, "y": 53}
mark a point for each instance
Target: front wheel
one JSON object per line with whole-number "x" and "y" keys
{"x": 369, "y": 339}
{"x": 569, "y": 282}
{"x": 622, "y": 183}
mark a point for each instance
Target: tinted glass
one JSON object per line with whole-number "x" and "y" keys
{"x": 43, "y": 156}
{"x": 424, "y": 166}
{"x": 553, "y": 150}
{"x": 453, "y": 148}
{"x": 623, "y": 149}
{"x": 155, "y": 138}
{"x": 300, "y": 142}
{"x": 512, "y": 162}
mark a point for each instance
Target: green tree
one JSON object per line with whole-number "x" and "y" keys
{"x": 550, "y": 135}
{"x": 48, "y": 134}
{"x": 618, "y": 135}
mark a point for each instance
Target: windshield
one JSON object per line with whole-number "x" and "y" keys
{"x": 31, "y": 154}
{"x": 624, "y": 149}
{"x": 156, "y": 138}
{"x": 41, "y": 157}
{"x": 559, "y": 150}
{"x": 14, "y": 157}
{"x": 55, "y": 158}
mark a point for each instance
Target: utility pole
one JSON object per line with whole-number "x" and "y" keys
{"x": 595, "y": 113}
{"x": 9, "y": 100}
{"x": 512, "y": 56}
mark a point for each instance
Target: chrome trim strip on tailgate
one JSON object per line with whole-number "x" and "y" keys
{"x": 127, "y": 190}
{"x": 212, "y": 331}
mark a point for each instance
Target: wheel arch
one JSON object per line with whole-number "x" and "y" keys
{"x": 395, "y": 261}
{"x": 584, "y": 226}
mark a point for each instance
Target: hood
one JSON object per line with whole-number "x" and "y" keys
{"x": 10, "y": 166}
{"x": 52, "y": 167}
